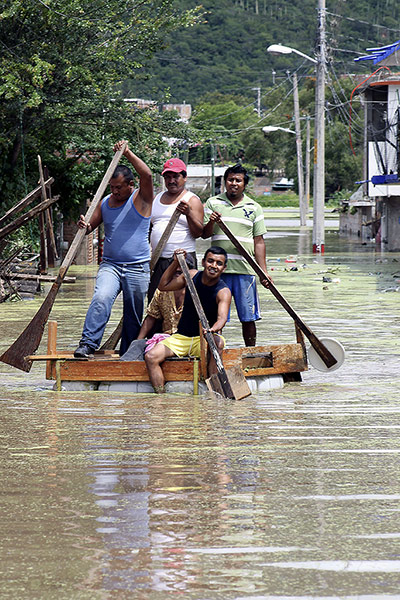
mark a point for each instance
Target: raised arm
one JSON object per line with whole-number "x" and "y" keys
{"x": 144, "y": 198}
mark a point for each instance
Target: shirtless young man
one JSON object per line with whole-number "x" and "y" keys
{"x": 215, "y": 298}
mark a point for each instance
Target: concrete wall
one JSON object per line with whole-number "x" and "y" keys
{"x": 356, "y": 222}
{"x": 391, "y": 224}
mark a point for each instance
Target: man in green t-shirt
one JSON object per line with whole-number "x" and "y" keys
{"x": 245, "y": 218}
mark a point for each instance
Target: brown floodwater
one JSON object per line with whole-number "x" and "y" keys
{"x": 289, "y": 494}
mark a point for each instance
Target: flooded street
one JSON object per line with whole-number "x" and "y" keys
{"x": 289, "y": 494}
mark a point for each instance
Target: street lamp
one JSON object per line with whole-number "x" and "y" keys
{"x": 319, "y": 139}
{"x": 280, "y": 49}
{"x": 306, "y": 197}
{"x": 271, "y": 128}
{"x": 303, "y": 204}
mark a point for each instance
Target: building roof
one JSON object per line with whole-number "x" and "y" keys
{"x": 386, "y": 55}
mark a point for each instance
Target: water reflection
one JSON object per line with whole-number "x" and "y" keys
{"x": 292, "y": 493}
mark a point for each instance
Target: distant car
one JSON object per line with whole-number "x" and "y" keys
{"x": 283, "y": 184}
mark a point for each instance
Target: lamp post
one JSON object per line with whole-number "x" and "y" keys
{"x": 303, "y": 206}
{"x": 319, "y": 139}
{"x": 271, "y": 128}
{"x": 300, "y": 170}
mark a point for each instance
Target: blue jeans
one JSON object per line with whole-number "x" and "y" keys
{"x": 133, "y": 281}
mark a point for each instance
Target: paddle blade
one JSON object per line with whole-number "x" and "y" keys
{"x": 335, "y": 348}
{"x": 236, "y": 381}
{"x": 28, "y": 342}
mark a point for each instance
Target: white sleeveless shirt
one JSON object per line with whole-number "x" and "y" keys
{"x": 180, "y": 236}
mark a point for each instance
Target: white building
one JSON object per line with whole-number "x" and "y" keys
{"x": 381, "y": 94}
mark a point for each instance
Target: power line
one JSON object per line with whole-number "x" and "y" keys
{"x": 363, "y": 22}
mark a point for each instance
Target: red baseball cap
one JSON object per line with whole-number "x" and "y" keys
{"x": 176, "y": 165}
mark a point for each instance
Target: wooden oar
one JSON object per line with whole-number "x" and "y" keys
{"x": 114, "y": 338}
{"x": 28, "y": 342}
{"x": 227, "y": 385}
{"x": 318, "y": 346}
{"x": 164, "y": 239}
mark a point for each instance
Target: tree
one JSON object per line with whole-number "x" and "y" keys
{"x": 62, "y": 65}
{"x": 220, "y": 118}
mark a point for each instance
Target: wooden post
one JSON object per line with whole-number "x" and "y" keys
{"x": 51, "y": 249}
{"x": 51, "y": 346}
{"x": 43, "y": 245}
{"x": 196, "y": 376}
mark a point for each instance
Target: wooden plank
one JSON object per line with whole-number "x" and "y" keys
{"x": 49, "y": 223}
{"x": 286, "y": 358}
{"x": 36, "y": 210}
{"x": 259, "y": 360}
{"x": 25, "y": 201}
{"x": 43, "y": 245}
{"x": 119, "y": 370}
{"x": 37, "y": 277}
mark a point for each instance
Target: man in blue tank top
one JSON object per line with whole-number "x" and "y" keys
{"x": 215, "y": 298}
{"x": 126, "y": 254}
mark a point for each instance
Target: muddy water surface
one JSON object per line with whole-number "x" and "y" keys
{"x": 292, "y": 493}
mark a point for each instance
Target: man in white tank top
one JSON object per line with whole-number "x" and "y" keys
{"x": 190, "y": 223}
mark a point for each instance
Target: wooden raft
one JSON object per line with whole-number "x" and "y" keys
{"x": 271, "y": 359}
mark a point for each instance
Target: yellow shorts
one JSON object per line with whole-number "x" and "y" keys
{"x": 181, "y": 345}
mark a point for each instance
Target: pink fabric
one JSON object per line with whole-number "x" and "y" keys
{"x": 157, "y": 337}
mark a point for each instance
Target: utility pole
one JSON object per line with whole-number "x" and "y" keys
{"x": 299, "y": 152}
{"x": 212, "y": 169}
{"x": 319, "y": 141}
{"x": 307, "y": 183}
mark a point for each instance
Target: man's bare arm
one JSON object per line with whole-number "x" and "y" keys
{"x": 169, "y": 283}
{"x": 208, "y": 229}
{"x": 260, "y": 256}
{"x": 146, "y": 193}
{"x": 94, "y": 222}
{"x": 224, "y": 297}
{"x": 147, "y": 326}
{"x": 194, "y": 212}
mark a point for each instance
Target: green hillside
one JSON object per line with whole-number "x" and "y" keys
{"x": 227, "y": 51}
